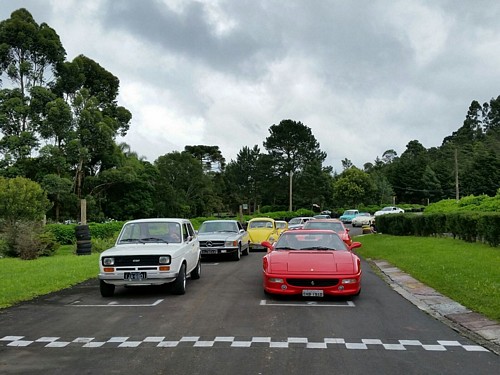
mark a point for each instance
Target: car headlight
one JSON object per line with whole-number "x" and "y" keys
{"x": 108, "y": 261}
{"x": 231, "y": 243}
{"x": 349, "y": 281}
{"x": 164, "y": 259}
{"x": 275, "y": 280}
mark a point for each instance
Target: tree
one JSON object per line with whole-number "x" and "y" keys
{"x": 182, "y": 189}
{"x": 22, "y": 202}
{"x": 353, "y": 187}
{"x": 210, "y": 157}
{"x": 29, "y": 54}
{"x": 291, "y": 147}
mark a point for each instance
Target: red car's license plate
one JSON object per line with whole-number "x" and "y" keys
{"x": 312, "y": 293}
{"x": 135, "y": 276}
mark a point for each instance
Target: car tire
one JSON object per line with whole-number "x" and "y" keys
{"x": 179, "y": 286}
{"x": 107, "y": 290}
{"x": 247, "y": 250}
{"x": 195, "y": 274}
{"x": 237, "y": 254}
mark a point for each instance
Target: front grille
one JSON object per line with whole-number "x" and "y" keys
{"x": 210, "y": 244}
{"x": 136, "y": 260}
{"x": 312, "y": 282}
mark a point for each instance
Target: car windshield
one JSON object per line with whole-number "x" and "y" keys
{"x": 313, "y": 241}
{"x": 216, "y": 226}
{"x": 387, "y": 209}
{"x": 364, "y": 214}
{"x": 280, "y": 225}
{"x": 335, "y": 226}
{"x": 294, "y": 221}
{"x": 349, "y": 212}
{"x": 150, "y": 232}
{"x": 260, "y": 224}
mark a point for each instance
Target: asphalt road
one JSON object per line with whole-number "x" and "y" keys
{"x": 225, "y": 324}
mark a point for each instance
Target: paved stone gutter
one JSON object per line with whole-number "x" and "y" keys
{"x": 484, "y": 331}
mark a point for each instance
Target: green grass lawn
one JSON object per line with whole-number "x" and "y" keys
{"x": 24, "y": 279}
{"x": 468, "y": 273}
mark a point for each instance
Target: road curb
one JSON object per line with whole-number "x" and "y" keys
{"x": 477, "y": 327}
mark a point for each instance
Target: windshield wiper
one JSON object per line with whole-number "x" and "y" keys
{"x": 130, "y": 240}
{"x": 150, "y": 239}
{"x": 284, "y": 248}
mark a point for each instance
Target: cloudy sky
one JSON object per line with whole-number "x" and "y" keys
{"x": 366, "y": 76}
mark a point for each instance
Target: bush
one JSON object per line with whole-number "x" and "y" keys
{"x": 63, "y": 233}
{"x": 101, "y": 244}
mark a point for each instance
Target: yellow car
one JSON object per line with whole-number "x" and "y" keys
{"x": 262, "y": 229}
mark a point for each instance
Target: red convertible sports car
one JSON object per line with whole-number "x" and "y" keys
{"x": 311, "y": 263}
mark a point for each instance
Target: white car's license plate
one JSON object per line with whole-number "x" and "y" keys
{"x": 212, "y": 251}
{"x": 312, "y": 293}
{"x": 135, "y": 276}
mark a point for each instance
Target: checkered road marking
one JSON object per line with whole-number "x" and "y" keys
{"x": 233, "y": 342}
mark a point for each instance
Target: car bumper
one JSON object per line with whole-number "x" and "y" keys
{"x": 286, "y": 288}
{"x": 152, "y": 278}
{"x": 216, "y": 251}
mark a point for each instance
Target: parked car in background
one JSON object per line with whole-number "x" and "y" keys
{"x": 223, "y": 237}
{"x": 348, "y": 215}
{"x": 390, "y": 210}
{"x": 311, "y": 263}
{"x": 281, "y": 225}
{"x": 151, "y": 252}
{"x": 261, "y": 229}
{"x": 322, "y": 216}
{"x": 298, "y": 222}
{"x": 363, "y": 218}
{"x": 332, "y": 224}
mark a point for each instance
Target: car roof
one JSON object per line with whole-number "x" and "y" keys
{"x": 159, "y": 219}
{"x": 298, "y": 232}
{"x": 220, "y": 221}
{"x": 261, "y": 219}
{"x": 326, "y": 221}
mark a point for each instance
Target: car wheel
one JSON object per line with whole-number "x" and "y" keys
{"x": 247, "y": 250}
{"x": 195, "y": 274}
{"x": 107, "y": 290}
{"x": 237, "y": 254}
{"x": 179, "y": 286}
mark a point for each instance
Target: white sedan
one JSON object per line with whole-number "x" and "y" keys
{"x": 151, "y": 252}
{"x": 390, "y": 210}
{"x": 363, "y": 218}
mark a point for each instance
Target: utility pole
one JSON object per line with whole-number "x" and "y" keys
{"x": 291, "y": 205}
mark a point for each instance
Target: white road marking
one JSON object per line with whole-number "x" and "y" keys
{"x": 233, "y": 342}
{"x": 308, "y": 303}
{"x": 117, "y": 304}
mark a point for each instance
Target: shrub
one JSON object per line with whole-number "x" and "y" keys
{"x": 101, "y": 244}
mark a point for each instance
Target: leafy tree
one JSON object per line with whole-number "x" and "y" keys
{"x": 182, "y": 189}
{"x": 22, "y": 199}
{"x": 291, "y": 146}
{"x": 22, "y": 202}
{"x": 353, "y": 187}
{"x": 210, "y": 157}
{"x": 407, "y": 172}
{"x": 29, "y": 53}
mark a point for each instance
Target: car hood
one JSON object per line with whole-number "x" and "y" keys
{"x": 217, "y": 236}
{"x": 147, "y": 248}
{"x": 300, "y": 262}
{"x": 259, "y": 235}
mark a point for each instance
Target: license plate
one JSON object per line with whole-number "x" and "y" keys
{"x": 135, "y": 276}
{"x": 312, "y": 293}
{"x": 209, "y": 251}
